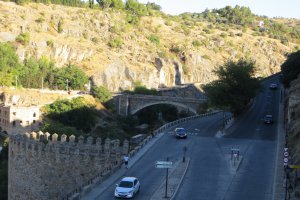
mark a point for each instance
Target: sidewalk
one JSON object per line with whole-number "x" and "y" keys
{"x": 100, "y": 188}
{"x": 175, "y": 178}
{"x": 278, "y": 187}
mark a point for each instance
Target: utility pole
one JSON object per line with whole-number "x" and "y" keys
{"x": 67, "y": 84}
{"x": 16, "y": 82}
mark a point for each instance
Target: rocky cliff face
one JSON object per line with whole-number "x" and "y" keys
{"x": 86, "y": 34}
{"x": 293, "y": 119}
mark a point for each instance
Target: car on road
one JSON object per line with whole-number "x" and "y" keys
{"x": 180, "y": 133}
{"x": 273, "y": 86}
{"x": 268, "y": 119}
{"x": 127, "y": 188}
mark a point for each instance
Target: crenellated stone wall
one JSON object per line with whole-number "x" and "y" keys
{"x": 43, "y": 166}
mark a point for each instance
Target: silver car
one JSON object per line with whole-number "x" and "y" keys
{"x": 127, "y": 188}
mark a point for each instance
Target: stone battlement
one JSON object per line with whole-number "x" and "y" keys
{"x": 47, "y": 143}
{"x": 44, "y": 166}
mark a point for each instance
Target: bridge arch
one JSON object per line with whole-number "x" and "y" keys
{"x": 135, "y": 110}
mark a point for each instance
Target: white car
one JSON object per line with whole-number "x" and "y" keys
{"x": 127, "y": 188}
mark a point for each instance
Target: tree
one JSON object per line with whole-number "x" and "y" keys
{"x": 104, "y": 3}
{"x": 101, "y": 93}
{"x": 290, "y": 68}
{"x": 235, "y": 86}
{"x": 70, "y": 77}
{"x": 9, "y": 64}
{"x": 117, "y": 4}
{"x": 136, "y": 8}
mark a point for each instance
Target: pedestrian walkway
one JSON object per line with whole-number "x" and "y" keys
{"x": 100, "y": 188}
{"x": 279, "y": 190}
{"x": 175, "y": 178}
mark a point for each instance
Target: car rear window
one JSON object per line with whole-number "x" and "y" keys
{"x": 126, "y": 184}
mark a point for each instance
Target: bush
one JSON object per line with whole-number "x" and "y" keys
{"x": 23, "y": 38}
{"x": 154, "y": 39}
{"x": 115, "y": 43}
{"x": 60, "y": 27}
{"x": 175, "y": 49}
{"x": 50, "y": 43}
{"x": 101, "y": 93}
{"x": 196, "y": 43}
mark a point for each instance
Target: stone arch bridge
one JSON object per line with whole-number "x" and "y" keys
{"x": 131, "y": 104}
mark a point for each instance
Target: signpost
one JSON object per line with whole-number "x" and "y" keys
{"x": 166, "y": 165}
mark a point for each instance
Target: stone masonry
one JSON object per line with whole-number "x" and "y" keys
{"x": 43, "y": 167}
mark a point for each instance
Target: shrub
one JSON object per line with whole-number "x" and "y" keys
{"x": 175, "y": 49}
{"x": 101, "y": 93}
{"x": 60, "y": 27}
{"x": 95, "y": 40}
{"x": 115, "y": 43}
{"x": 50, "y": 43}
{"x": 207, "y": 31}
{"x": 23, "y": 38}
{"x": 206, "y": 57}
{"x": 40, "y": 20}
{"x": 154, "y": 39}
{"x": 196, "y": 43}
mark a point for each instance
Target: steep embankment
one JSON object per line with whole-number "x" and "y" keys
{"x": 160, "y": 51}
{"x": 293, "y": 119}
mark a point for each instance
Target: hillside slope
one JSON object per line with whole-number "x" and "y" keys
{"x": 161, "y": 51}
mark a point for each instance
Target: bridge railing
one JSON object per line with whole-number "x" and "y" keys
{"x": 165, "y": 127}
{"x": 86, "y": 188}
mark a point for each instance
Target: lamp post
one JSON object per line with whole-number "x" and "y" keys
{"x": 67, "y": 84}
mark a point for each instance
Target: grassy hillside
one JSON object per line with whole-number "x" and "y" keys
{"x": 107, "y": 45}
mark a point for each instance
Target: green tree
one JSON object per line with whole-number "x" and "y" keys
{"x": 290, "y": 68}
{"x": 117, "y": 4}
{"x": 23, "y": 38}
{"x": 104, "y": 3}
{"x": 70, "y": 77}
{"x": 9, "y": 64}
{"x": 136, "y": 8}
{"x": 75, "y": 112}
{"x": 101, "y": 93}
{"x": 235, "y": 86}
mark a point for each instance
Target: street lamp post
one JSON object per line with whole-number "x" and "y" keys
{"x": 67, "y": 84}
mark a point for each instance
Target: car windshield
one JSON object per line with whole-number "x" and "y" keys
{"x": 126, "y": 184}
{"x": 179, "y": 130}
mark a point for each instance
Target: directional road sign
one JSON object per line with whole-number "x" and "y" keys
{"x": 286, "y": 154}
{"x": 163, "y": 164}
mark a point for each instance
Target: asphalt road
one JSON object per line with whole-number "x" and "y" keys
{"x": 209, "y": 176}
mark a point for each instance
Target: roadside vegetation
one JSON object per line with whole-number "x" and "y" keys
{"x": 235, "y": 86}
{"x": 290, "y": 68}
{"x": 38, "y": 73}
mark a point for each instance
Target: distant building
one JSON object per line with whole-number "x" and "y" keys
{"x": 18, "y": 119}
{"x": 261, "y": 24}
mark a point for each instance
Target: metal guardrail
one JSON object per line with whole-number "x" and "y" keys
{"x": 98, "y": 178}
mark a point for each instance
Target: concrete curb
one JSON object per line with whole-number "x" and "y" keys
{"x": 175, "y": 183}
{"x": 177, "y": 188}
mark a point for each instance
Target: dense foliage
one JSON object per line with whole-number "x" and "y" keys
{"x": 101, "y": 93}
{"x": 235, "y": 86}
{"x": 139, "y": 89}
{"x": 237, "y": 15}
{"x": 37, "y": 73}
{"x": 9, "y": 64}
{"x": 290, "y": 68}
{"x": 76, "y": 113}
